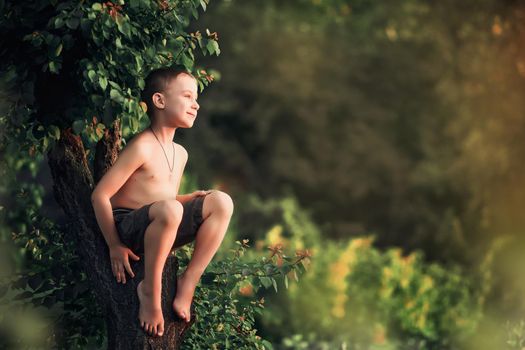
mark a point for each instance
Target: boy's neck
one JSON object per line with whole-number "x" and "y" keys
{"x": 165, "y": 134}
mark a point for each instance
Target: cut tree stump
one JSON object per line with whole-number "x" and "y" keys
{"x": 72, "y": 186}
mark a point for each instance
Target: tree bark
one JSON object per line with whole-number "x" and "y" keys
{"x": 72, "y": 187}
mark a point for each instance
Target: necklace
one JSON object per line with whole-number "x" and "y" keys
{"x": 173, "y": 161}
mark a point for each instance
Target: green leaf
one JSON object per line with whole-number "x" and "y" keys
{"x": 124, "y": 27}
{"x": 97, "y": 39}
{"x": 58, "y": 50}
{"x": 92, "y": 75}
{"x": 96, "y": 6}
{"x": 266, "y": 281}
{"x": 85, "y": 24}
{"x": 24, "y": 295}
{"x": 115, "y": 85}
{"x": 274, "y": 282}
{"x": 78, "y": 126}
{"x": 47, "y": 143}
{"x": 72, "y": 22}
{"x": 213, "y": 47}
{"x": 59, "y": 23}
{"x": 54, "y": 132}
{"x": 186, "y": 61}
{"x": 115, "y": 95}
{"x": 134, "y": 124}
{"x": 54, "y": 67}
{"x": 286, "y": 281}
{"x": 97, "y": 100}
{"x": 34, "y": 281}
{"x": 141, "y": 83}
{"x": 266, "y": 343}
{"x": 103, "y": 82}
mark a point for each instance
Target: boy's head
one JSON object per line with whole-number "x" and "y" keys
{"x": 171, "y": 91}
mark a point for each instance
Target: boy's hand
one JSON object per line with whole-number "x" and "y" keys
{"x": 119, "y": 255}
{"x": 200, "y": 193}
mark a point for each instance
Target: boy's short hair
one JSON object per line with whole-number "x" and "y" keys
{"x": 156, "y": 81}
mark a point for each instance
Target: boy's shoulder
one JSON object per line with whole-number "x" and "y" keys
{"x": 139, "y": 143}
{"x": 183, "y": 150}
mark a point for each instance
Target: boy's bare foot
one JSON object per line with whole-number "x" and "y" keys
{"x": 184, "y": 297}
{"x": 150, "y": 315}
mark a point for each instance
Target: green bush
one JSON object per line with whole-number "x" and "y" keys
{"x": 358, "y": 295}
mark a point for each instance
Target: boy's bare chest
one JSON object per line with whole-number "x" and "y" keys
{"x": 155, "y": 174}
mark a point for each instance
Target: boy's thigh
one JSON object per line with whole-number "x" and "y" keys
{"x": 191, "y": 221}
{"x": 132, "y": 224}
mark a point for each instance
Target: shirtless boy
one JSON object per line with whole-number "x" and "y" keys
{"x": 138, "y": 208}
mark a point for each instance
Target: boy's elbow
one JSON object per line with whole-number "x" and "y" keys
{"x": 95, "y": 196}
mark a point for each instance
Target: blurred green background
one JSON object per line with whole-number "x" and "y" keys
{"x": 386, "y": 137}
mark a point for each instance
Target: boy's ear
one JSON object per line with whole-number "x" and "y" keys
{"x": 158, "y": 100}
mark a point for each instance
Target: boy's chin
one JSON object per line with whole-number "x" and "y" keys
{"x": 186, "y": 124}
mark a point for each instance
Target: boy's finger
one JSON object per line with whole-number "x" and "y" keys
{"x": 122, "y": 274}
{"x": 128, "y": 268}
{"x": 134, "y": 256}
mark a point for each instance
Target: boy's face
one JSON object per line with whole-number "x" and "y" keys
{"x": 178, "y": 101}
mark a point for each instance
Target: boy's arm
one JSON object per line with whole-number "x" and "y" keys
{"x": 129, "y": 159}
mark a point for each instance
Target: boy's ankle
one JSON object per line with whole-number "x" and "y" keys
{"x": 147, "y": 289}
{"x": 193, "y": 276}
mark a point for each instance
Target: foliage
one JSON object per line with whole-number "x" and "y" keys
{"x": 516, "y": 335}
{"x": 357, "y": 294}
{"x": 82, "y": 64}
{"x": 225, "y": 309}
{"x": 46, "y": 278}
{"x": 363, "y": 296}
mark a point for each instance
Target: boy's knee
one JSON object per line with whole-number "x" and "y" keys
{"x": 223, "y": 202}
{"x": 168, "y": 211}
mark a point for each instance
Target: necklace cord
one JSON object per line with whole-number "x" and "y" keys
{"x": 173, "y": 161}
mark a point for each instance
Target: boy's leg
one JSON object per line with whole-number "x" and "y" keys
{"x": 216, "y": 212}
{"x": 165, "y": 217}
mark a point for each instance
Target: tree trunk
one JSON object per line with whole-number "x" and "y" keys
{"x": 72, "y": 187}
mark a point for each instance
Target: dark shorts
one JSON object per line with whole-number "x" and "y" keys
{"x": 132, "y": 223}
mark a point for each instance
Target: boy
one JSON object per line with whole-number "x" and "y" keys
{"x": 138, "y": 209}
